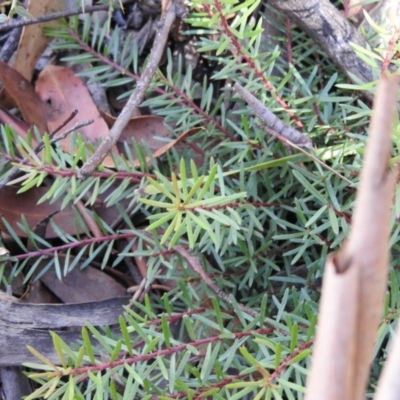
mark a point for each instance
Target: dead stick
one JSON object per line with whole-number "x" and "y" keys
{"x": 136, "y": 97}
{"x": 271, "y": 120}
{"x": 306, "y": 153}
{"x": 328, "y": 27}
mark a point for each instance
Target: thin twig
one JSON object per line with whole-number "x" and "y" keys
{"x": 54, "y": 140}
{"x": 139, "y": 291}
{"x": 195, "y": 264}
{"x": 316, "y": 159}
{"x": 73, "y": 114}
{"x": 71, "y": 245}
{"x": 271, "y": 120}
{"x": 50, "y": 17}
{"x": 13, "y": 171}
{"x": 137, "y": 96}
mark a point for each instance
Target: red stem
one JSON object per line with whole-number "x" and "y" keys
{"x": 164, "y": 352}
{"x": 252, "y": 64}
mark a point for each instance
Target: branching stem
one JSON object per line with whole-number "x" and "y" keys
{"x": 13, "y": 171}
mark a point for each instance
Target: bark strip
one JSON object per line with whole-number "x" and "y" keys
{"x": 355, "y": 278}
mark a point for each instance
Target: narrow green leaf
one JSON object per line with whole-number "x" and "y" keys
{"x": 194, "y": 172}
{"x": 88, "y": 345}
{"x": 315, "y": 216}
{"x": 189, "y": 327}
{"x": 301, "y": 356}
{"x": 179, "y": 232}
{"x": 189, "y": 230}
{"x": 182, "y": 170}
{"x": 42, "y": 358}
{"x": 79, "y": 357}
{"x": 161, "y": 189}
{"x": 170, "y": 228}
{"x": 309, "y": 187}
{"x": 218, "y": 315}
{"x": 278, "y": 355}
{"x": 140, "y": 331}
{"x": 176, "y": 189}
{"x": 334, "y": 221}
{"x": 57, "y": 346}
{"x": 208, "y": 183}
{"x": 293, "y": 339}
{"x": 125, "y": 334}
{"x": 172, "y": 373}
{"x": 193, "y": 190}
{"x": 165, "y": 330}
{"x": 154, "y": 203}
{"x": 162, "y": 220}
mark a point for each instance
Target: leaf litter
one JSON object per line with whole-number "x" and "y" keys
{"x": 45, "y": 105}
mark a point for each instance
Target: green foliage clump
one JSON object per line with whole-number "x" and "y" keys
{"x": 252, "y": 210}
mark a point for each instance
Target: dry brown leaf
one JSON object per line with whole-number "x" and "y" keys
{"x": 174, "y": 142}
{"x": 64, "y": 92}
{"x": 32, "y": 108}
{"x": 79, "y": 286}
{"x": 13, "y": 205}
{"x": 20, "y": 127}
{"x": 120, "y": 276}
{"x": 142, "y": 129}
{"x": 38, "y": 293}
{"x": 33, "y": 42}
{"x": 147, "y": 129}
